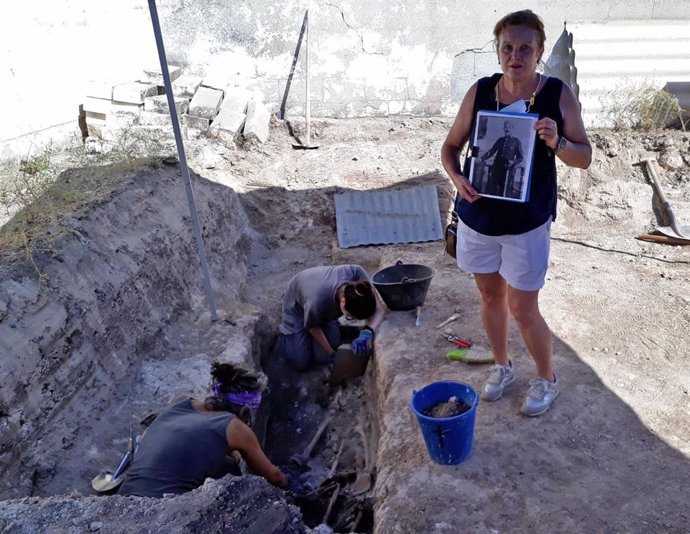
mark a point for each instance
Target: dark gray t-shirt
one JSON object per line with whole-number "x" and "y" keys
{"x": 180, "y": 450}
{"x": 309, "y": 299}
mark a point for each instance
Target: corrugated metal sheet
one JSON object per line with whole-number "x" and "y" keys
{"x": 613, "y": 59}
{"x": 384, "y": 217}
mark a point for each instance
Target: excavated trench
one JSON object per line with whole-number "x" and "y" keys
{"x": 122, "y": 327}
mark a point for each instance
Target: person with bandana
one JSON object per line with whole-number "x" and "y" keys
{"x": 192, "y": 440}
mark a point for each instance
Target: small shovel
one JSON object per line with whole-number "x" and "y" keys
{"x": 297, "y": 144}
{"x": 107, "y": 481}
{"x": 675, "y": 230}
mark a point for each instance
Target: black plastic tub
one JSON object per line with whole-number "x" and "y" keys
{"x": 403, "y": 286}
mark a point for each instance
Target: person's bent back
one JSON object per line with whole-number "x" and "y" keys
{"x": 192, "y": 440}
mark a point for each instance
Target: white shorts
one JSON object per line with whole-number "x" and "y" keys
{"x": 521, "y": 259}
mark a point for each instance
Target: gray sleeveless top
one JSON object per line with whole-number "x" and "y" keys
{"x": 180, "y": 449}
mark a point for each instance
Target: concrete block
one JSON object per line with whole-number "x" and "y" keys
{"x": 235, "y": 100}
{"x": 140, "y": 137}
{"x": 199, "y": 123}
{"x": 97, "y": 116}
{"x": 159, "y": 104}
{"x": 122, "y": 120}
{"x": 125, "y": 107}
{"x": 206, "y": 103}
{"x": 100, "y": 89}
{"x": 214, "y": 81}
{"x": 95, "y": 127}
{"x": 153, "y": 118}
{"x": 97, "y": 105}
{"x": 155, "y": 76}
{"x": 134, "y": 92}
{"x": 228, "y": 123}
{"x": 186, "y": 85}
{"x": 257, "y": 123}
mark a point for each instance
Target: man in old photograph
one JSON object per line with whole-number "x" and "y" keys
{"x": 508, "y": 151}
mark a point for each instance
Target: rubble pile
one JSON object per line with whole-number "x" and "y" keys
{"x": 204, "y": 106}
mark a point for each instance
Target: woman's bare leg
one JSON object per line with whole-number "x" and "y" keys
{"x": 524, "y": 307}
{"x": 495, "y": 313}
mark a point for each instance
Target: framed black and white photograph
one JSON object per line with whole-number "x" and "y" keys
{"x": 503, "y": 151}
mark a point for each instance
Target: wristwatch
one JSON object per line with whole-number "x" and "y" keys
{"x": 560, "y": 147}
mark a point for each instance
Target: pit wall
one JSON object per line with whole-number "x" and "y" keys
{"x": 127, "y": 269}
{"x": 367, "y": 57}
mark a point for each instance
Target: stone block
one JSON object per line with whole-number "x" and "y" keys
{"x": 125, "y": 108}
{"x": 97, "y": 105}
{"x": 155, "y": 76}
{"x": 206, "y": 103}
{"x": 95, "y": 127}
{"x": 153, "y": 118}
{"x": 228, "y": 124}
{"x": 97, "y": 116}
{"x": 122, "y": 120}
{"x": 186, "y": 85}
{"x": 257, "y": 123}
{"x": 134, "y": 92}
{"x": 139, "y": 135}
{"x": 100, "y": 89}
{"x": 159, "y": 104}
{"x": 215, "y": 81}
{"x": 199, "y": 123}
{"x": 235, "y": 100}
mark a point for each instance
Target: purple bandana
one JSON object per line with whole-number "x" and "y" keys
{"x": 252, "y": 399}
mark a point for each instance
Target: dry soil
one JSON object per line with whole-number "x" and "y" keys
{"x": 610, "y": 456}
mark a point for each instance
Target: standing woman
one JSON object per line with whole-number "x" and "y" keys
{"x": 506, "y": 244}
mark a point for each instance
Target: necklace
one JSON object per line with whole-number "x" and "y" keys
{"x": 532, "y": 97}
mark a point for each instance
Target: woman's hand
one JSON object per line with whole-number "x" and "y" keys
{"x": 465, "y": 189}
{"x": 547, "y": 130}
{"x": 363, "y": 345}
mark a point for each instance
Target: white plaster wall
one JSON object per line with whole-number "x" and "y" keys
{"x": 367, "y": 56}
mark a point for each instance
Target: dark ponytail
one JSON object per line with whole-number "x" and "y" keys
{"x": 360, "y": 301}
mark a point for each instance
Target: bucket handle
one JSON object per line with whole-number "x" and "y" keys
{"x": 405, "y": 279}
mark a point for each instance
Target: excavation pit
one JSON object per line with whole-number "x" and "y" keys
{"x": 119, "y": 325}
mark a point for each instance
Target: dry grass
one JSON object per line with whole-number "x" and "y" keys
{"x": 642, "y": 107}
{"x": 37, "y": 193}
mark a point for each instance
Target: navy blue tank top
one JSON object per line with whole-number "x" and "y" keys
{"x": 490, "y": 216}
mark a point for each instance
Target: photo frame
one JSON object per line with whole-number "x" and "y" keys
{"x": 502, "y": 154}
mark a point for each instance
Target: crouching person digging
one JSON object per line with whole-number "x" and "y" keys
{"x": 192, "y": 440}
{"x": 313, "y": 302}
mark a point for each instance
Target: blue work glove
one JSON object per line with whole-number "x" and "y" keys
{"x": 363, "y": 345}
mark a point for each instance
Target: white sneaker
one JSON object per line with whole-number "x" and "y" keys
{"x": 540, "y": 396}
{"x": 500, "y": 378}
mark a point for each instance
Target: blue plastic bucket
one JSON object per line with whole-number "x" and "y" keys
{"x": 448, "y": 439}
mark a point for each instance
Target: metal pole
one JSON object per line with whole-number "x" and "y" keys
{"x": 306, "y": 59}
{"x": 183, "y": 161}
